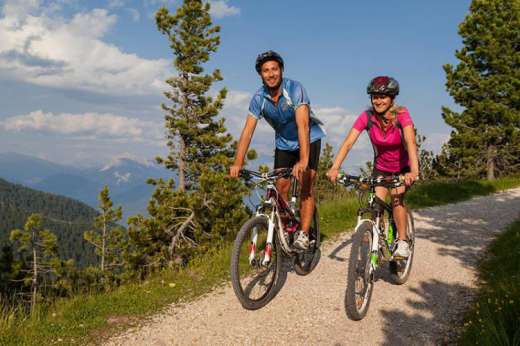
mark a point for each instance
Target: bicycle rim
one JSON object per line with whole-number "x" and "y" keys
{"x": 253, "y": 281}
{"x": 359, "y": 281}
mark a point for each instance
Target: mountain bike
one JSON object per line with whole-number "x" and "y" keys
{"x": 373, "y": 244}
{"x": 266, "y": 239}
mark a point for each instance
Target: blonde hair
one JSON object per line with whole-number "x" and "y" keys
{"x": 394, "y": 109}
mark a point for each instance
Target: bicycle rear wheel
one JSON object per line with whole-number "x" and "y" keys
{"x": 401, "y": 269}
{"x": 253, "y": 281}
{"x": 305, "y": 262}
{"x": 360, "y": 282}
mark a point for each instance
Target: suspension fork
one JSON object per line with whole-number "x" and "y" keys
{"x": 375, "y": 244}
{"x": 270, "y": 235}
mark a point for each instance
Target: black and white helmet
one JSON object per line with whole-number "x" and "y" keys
{"x": 383, "y": 85}
{"x": 267, "y": 56}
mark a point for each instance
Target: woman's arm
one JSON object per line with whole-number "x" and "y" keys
{"x": 349, "y": 141}
{"x": 411, "y": 147}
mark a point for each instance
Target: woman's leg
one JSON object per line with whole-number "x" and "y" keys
{"x": 399, "y": 210}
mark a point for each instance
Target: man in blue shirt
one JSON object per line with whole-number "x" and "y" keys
{"x": 284, "y": 104}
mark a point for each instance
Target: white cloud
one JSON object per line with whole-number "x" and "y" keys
{"x": 136, "y": 16}
{"x": 221, "y": 8}
{"x": 19, "y": 9}
{"x": 116, "y": 3}
{"x": 157, "y": 3}
{"x": 86, "y": 125}
{"x": 49, "y": 50}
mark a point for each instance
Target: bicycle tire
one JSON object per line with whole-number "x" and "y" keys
{"x": 400, "y": 270}
{"x": 305, "y": 262}
{"x": 241, "y": 268}
{"x": 359, "y": 272}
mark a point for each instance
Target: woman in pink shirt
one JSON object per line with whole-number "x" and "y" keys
{"x": 390, "y": 129}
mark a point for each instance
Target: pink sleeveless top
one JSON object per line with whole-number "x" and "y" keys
{"x": 391, "y": 154}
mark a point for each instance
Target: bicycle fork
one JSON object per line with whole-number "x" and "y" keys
{"x": 268, "y": 246}
{"x": 375, "y": 249}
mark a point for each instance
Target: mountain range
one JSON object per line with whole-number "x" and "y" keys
{"x": 125, "y": 178}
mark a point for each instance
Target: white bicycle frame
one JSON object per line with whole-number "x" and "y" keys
{"x": 374, "y": 227}
{"x": 273, "y": 218}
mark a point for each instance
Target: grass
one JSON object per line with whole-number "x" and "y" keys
{"x": 92, "y": 318}
{"x": 443, "y": 192}
{"x": 95, "y": 317}
{"x": 495, "y": 317}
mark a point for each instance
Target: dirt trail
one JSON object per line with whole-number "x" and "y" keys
{"x": 310, "y": 310}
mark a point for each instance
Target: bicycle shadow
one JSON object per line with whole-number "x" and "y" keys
{"x": 433, "y": 313}
{"x": 429, "y": 322}
{"x": 342, "y": 246}
{"x": 287, "y": 267}
{"x": 461, "y": 233}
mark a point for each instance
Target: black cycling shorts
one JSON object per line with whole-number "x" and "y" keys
{"x": 288, "y": 158}
{"x": 376, "y": 172}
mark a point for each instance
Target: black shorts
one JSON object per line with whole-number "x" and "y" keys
{"x": 376, "y": 172}
{"x": 288, "y": 158}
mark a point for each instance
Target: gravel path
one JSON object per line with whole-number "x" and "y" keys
{"x": 310, "y": 310}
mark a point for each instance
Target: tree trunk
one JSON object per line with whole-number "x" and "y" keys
{"x": 103, "y": 242}
{"x": 491, "y": 157}
{"x": 35, "y": 277}
{"x": 182, "y": 167}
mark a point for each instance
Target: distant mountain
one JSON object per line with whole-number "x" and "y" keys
{"x": 28, "y": 170}
{"x": 126, "y": 179}
{"x": 65, "y": 217}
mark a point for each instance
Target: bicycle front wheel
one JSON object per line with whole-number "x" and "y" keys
{"x": 253, "y": 277}
{"x": 360, "y": 283}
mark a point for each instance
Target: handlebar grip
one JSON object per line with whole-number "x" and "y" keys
{"x": 244, "y": 173}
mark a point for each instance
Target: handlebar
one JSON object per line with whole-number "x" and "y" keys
{"x": 272, "y": 175}
{"x": 388, "y": 181}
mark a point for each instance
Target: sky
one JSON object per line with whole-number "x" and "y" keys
{"x": 81, "y": 82}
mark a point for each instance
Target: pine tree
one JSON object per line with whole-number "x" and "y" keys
{"x": 426, "y": 159}
{"x": 196, "y": 139}
{"x": 108, "y": 238}
{"x": 486, "y": 83}
{"x": 324, "y": 187}
{"x": 41, "y": 246}
{"x": 207, "y": 207}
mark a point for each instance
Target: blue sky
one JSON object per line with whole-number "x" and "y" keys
{"x": 81, "y": 81}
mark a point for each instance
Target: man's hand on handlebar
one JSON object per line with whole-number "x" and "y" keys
{"x": 299, "y": 168}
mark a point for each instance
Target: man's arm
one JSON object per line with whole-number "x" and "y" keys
{"x": 302, "y": 122}
{"x": 243, "y": 145}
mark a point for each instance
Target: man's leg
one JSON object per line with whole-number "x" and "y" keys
{"x": 283, "y": 185}
{"x": 284, "y": 159}
{"x": 307, "y": 197}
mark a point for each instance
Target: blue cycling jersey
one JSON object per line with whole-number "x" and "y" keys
{"x": 282, "y": 116}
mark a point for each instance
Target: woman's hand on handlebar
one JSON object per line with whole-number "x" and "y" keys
{"x": 234, "y": 170}
{"x": 332, "y": 174}
{"x": 410, "y": 178}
